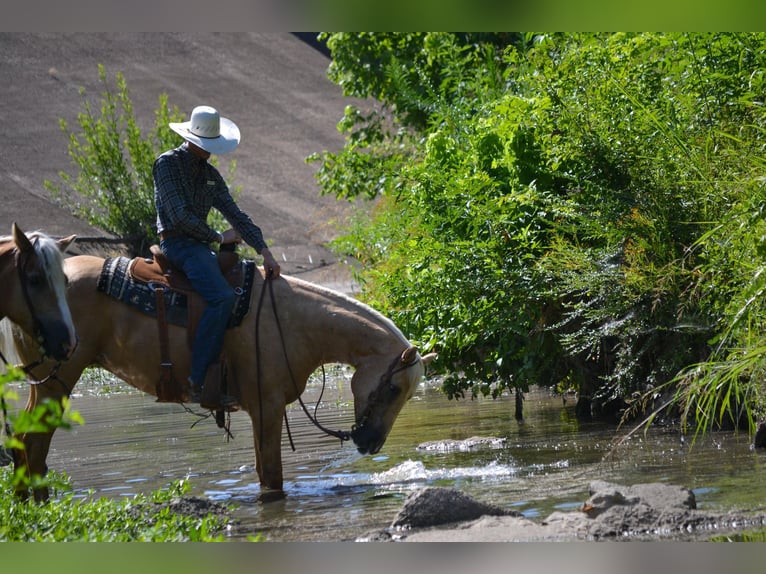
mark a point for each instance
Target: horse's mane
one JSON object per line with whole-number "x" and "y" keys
{"x": 376, "y": 315}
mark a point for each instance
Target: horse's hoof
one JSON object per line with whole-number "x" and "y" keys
{"x": 42, "y": 495}
{"x": 271, "y": 496}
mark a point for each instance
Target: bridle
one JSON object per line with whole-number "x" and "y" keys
{"x": 375, "y": 397}
{"x": 21, "y": 261}
{"x": 385, "y": 386}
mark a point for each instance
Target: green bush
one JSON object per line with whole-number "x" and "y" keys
{"x": 73, "y": 518}
{"x": 570, "y": 210}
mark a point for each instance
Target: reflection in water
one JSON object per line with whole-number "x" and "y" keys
{"x": 132, "y": 444}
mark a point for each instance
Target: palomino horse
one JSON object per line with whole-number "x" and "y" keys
{"x": 33, "y": 290}
{"x": 309, "y": 326}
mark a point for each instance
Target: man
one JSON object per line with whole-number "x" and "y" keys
{"x": 186, "y": 187}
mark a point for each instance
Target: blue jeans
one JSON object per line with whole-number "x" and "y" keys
{"x": 200, "y": 265}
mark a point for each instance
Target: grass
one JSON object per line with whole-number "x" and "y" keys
{"x": 68, "y": 517}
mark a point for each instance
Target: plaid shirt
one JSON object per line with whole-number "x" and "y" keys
{"x": 186, "y": 188}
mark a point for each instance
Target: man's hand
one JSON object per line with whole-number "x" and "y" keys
{"x": 270, "y": 264}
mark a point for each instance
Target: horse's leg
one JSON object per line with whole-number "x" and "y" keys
{"x": 268, "y": 453}
{"x": 30, "y": 460}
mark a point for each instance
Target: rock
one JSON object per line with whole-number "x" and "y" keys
{"x": 433, "y": 506}
{"x": 615, "y": 510}
{"x": 657, "y": 495}
{"x": 654, "y": 511}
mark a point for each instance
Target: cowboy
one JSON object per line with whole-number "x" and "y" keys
{"x": 186, "y": 187}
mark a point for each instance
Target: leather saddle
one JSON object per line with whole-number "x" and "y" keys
{"x": 160, "y": 275}
{"x": 159, "y": 271}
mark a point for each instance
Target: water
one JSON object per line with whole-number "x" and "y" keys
{"x": 131, "y": 444}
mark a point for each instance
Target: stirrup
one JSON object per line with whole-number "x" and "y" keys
{"x": 221, "y": 402}
{"x": 195, "y": 395}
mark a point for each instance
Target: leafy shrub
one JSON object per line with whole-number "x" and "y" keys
{"x": 572, "y": 210}
{"x": 69, "y": 517}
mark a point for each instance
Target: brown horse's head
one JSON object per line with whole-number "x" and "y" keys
{"x": 379, "y": 400}
{"x": 34, "y": 291}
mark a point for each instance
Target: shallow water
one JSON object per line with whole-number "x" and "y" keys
{"x": 131, "y": 444}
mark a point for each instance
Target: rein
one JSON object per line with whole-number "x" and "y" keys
{"x": 26, "y": 369}
{"x": 339, "y": 434}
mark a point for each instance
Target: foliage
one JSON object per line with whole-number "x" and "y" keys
{"x": 573, "y": 210}
{"x": 113, "y": 187}
{"x": 70, "y": 517}
{"x": 45, "y": 417}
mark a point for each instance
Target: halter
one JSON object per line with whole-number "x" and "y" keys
{"x": 378, "y": 394}
{"x": 21, "y": 260}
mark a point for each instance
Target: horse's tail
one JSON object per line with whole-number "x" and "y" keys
{"x": 7, "y": 345}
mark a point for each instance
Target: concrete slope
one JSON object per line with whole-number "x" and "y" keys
{"x": 273, "y": 85}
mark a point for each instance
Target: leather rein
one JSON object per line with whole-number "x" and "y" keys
{"x": 339, "y": 434}
{"x": 342, "y": 435}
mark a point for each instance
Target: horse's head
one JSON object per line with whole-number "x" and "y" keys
{"x": 39, "y": 292}
{"x": 379, "y": 398}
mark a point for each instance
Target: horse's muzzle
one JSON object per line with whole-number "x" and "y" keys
{"x": 57, "y": 340}
{"x": 367, "y": 439}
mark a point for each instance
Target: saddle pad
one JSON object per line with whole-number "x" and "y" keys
{"x": 116, "y": 282}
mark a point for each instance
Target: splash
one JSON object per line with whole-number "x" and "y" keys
{"x": 415, "y": 470}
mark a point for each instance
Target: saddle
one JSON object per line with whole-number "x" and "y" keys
{"x": 160, "y": 271}
{"x": 159, "y": 274}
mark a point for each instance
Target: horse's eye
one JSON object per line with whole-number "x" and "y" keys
{"x": 394, "y": 390}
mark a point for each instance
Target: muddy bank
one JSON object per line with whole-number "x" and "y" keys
{"x": 644, "y": 512}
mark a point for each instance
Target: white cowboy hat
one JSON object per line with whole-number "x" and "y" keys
{"x": 208, "y": 130}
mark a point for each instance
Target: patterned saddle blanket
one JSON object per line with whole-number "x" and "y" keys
{"x": 135, "y": 281}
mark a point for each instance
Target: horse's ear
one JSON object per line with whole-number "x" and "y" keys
{"x": 409, "y": 354}
{"x": 65, "y": 242}
{"x": 21, "y": 240}
{"x": 428, "y": 359}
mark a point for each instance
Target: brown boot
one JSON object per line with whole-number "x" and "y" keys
{"x": 212, "y": 398}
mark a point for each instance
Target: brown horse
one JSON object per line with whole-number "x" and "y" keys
{"x": 300, "y": 327}
{"x": 33, "y": 290}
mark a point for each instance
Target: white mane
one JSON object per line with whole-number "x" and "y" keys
{"x": 379, "y": 317}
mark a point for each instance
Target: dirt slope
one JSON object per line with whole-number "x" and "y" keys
{"x": 273, "y": 85}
